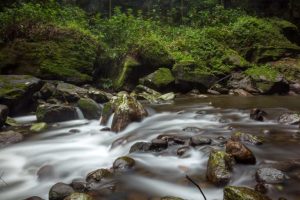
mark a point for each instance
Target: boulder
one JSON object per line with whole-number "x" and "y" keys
{"x": 270, "y": 176}
{"x": 10, "y": 137}
{"x": 123, "y": 164}
{"x": 219, "y": 167}
{"x": 153, "y": 96}
{"x": 240, "y": 152}
{"x": 38, "y": 127}
{"x": 79, "y": 196}
{"x": 246, "y": 137}
{"x": 241, "y": 81}
{"x": 16, "y": 91}
{"x": 51, "y": 113}
{"x": 98, "y": 175}
{"x": 3, "y": 114}
{"x": 126, "y": 109}
{"x": 242, "y": 193}
{"x": 295, "y": 87}
{"x": 160, "y": 80}
{"x": 158, "y": 145}
{"x": 140, "y": 147}
{"x": 199, "y": 140}
{"x": 60, "y": 191}
{"x": 46, "y": 172}
{"x": 89, "y": 108}
{"x": 48, "y": 90}
{"x": 79, "y": 185}
{"x": 257, "y": 114}
{"x": 69, "y": 92}
{"x": 289, "y": 119}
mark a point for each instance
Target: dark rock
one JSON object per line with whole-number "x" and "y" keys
{"x": 295, "y": 88}
{"x": 123, "y": 164}
{"x": 183, "y": 151}
{"x": 140, "y": 147}
{"x": 45, "y": 172}
{"x": 261, "y": 188}
{"x": 98, "y": 95}
{"x": 74, "y": 131}
{"x": 219, "y": 167}
{"x": 34, "y": 198}
{"x": 79, "y": 185}
{"x": 105, "y": 129}
{"x": 277, "y": 85}
{"x": 79, "y": 196}
{"x": 47, "y": 91}
{"x": 98, "y": 175}
{"x": 240, "y": 152}
{"x": 192, "y": 129}
{"x": 173, "y": 139}
{"x": 158, "y": 145}
{"x": 69, "y": 93}
{"x": 242, "y": 193}
{"x": 289, "y": 119}
{"x": 3, "y": 114}
{"x": 270, "y": 176}
{"x": 258, "y": 114}
{"x": 245, "y": 137}
{"x": 89, "y": 108}
{"x": 198, "y": 140}
{"x": 59, "y": 191}
{"x": 16, "y": 91}
{"x": 55, "y": 113}
{"x": 10, "y": 137}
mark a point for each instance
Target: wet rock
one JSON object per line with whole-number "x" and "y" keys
{"x": 198, "y": 140}
{"x": 258, "y": 114}
{"x": 45, "y": 172}
{"x": 10, "y": 137}
{"x": 59, "y": 191}
{"x": 240, "y": 152}
{"x": 240, "y": 92}
{"x": 158, "y": 145}
{"x": 270, "y": 176}
{"x": 16, "y": 91}
{"x": 289, "y": 119}
{"x": 261, "y": 187}
{"x": 34, "y": 198}
{"x": 174, "y": 139}
{"x": 219, "y": 167}
{"x": 47, "y": 91}
{"x": 98, "y": 95}
{"x": 39, "y": 127}
{"x": 50, "y": 113}
{"x": 74, "y": 131}
{"x": 123, "y": 164}
{"x": 161, "y": 79}
{"x": 98, "y": 175}
{"x": 153, "y": 96}
{"x": 213, "y": 92}
{"x": 245, "y": 137}
{"x": 183, "y": 151}
{"x": 192, "y": 129}
{"x": 140, "y": 147}
{"x": 105, "y": 129}
{"x": 126, "y": 109}
{"x": 79, "y": 185}
{"x": 67, "y": 92}
{"x": 242, "y": 193}
{"x": 171, "y": 198}
{"x": 3, "y": 114}
{"x": 89, "y": 108}
{"x": 275, "y": 85}
{"x": 79, "y": 196}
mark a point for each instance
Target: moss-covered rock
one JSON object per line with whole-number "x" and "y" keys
{"x": 246, "y": 137}
{"x": 160, "y": 79}
{"x": 69, "y": 92}
{"x": 39, "y": 127}
{"x": 98, "y": 175}
{"x": 171, "y": 198}
{"x": 16, "y": 91}
{"x": 153, "y": 96}
{"x": 219, "y": 167}
{"x": 89, "y": 108}
{"x": 79, "y": 196}
{"x": 238, "y": 193}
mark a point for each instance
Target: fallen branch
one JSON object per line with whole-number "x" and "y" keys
{"x": 1, "y": 179}
{"x": 193, "y": 182}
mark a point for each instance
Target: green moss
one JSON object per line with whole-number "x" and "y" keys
{"x": 237, "y": 193}
{"x": 265, "y": 71}
{"x": 89, "y": 107}
{"x": 11, "y": 87}
{"x": 38, "y": 127}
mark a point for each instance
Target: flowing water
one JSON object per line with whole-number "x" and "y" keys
{"x": 72, "y": 154}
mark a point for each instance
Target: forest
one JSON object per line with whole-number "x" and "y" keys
{"x": 149, "y": 100}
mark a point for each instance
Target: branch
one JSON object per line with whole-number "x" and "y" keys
{"x": 193, "y": 182}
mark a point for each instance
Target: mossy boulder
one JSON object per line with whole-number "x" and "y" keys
{"x": 59, "y": 191}
{"x": 219, "y": 167}
{"x": 246, "y": 137}
{"x": 79, "y": 196}
{"x": 123, "y": 164}
{"x": 51, "y": 113}
{"x": 161, "y": 79}
{"x": 126, "y": 109}
{"x": 152, "y": 95}
{"x": 89, "y": 108}
{"x": 69, "y": 92}
{"x": 3, "y": 114}
{"x": 10, "y": 137}
{"x": 237, "y": 193}
{"x": 39, "y": 127}
{"x": 16, "y": 91}
{"x": 171, "y": 198}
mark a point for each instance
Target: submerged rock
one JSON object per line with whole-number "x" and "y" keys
{"x": 198, "y": 140}
{"x": 59, "y": 191}
{"x": 257, "y": 114}
{"x": 158, "y": 145}
{"x": 123, "y": 164}
{"x": 46, "y": 172}
{"x": 140, "y": 147}
{"x": 270, "y": 175}
{"x": 289, "y": 119}
{"x": 219, "y": 167}
{"x": 242, "y": 193}
{"x": 3, "y": 114}
{"x": 246, "y": 137}
{"x": 98, "y": 175}
{"x": 51, "y": 113}
{"x": 79, "y": 185}
{"x": 38, "y": 127}
{"x": 240, "y": 152}
{"x": 79, "y": 196}
{"x": 10, "y": 137}
{"x": 89, "y": 108}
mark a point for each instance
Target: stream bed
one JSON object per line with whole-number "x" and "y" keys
{"x": 73, "y": 154}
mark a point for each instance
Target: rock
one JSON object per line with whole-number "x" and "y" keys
{"x": 98, "y": 95}
{"x": 289, "y": 119}
{"x": 16, "y": 91}
{"x": 246, "y": 137}
{"x": 158, "y": 145}
{"x": 48, "y": 90}
{"x": 182, "y": 151}
{"x": 10, "y": 137}
{"x": 51, "y": 113}
{"x": 79, "y": 196}
{"x": 242, "y": 193}
{"x": 270, "y": 176}
{"x": 160, "y": 80}
{"x": 241, "y": 81}
{"x": 213, "y": 92}
{"x": 240, "y": 152}
{"x": 153, "y": 96}
{"x": 140, "y": 147}
{"x": 98, "y": 175}
{"x": 126, "y": 109}
{"x": 295, "y": 88}
{"x": 69, "y": 92}
{"x": 198, "y": 140}
{"x": 171, "y": 198}
{"x": 261, "y": 187}
{"x": 3, "y": 114}
{"x": 219, "y": 167}
{"x": 192, "y": 129}
{"x": 39, "y": 127}
{"x": 167, "y": 97}
{"x": 240, "y": 92}
{"x": 34, "y": 198}
{"x": 11, "y": 122}
{"x": 123, "y": 164}
{"x": 258, "y": 114}
{"x": 89, "y": 108}
{"x": 267, "y": 85}
{"x": 59, "y": 191}
{"x": 79, "y": 185}
{"x": 46, "y": 172}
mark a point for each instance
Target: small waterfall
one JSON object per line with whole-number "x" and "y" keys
{"x": 79, "y": 113}
{"x": 110, "y": 120}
